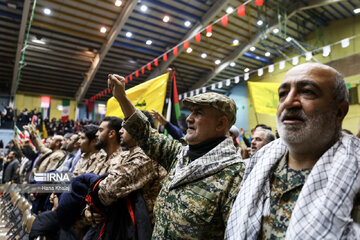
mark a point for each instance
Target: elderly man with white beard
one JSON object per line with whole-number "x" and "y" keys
{"x": 306, "y": 184}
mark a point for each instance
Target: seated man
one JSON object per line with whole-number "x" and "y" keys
{"x": 305, "y": 184}
{"x": 203, "y": 177}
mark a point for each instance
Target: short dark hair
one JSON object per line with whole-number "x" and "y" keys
{"x": 149, "y": 117}
{"x": 90, "y": 131}
{"x": 263, "y": 126}
{"x": 115, "y": 123}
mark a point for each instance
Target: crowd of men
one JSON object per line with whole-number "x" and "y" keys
{"x": 131, "y": 182}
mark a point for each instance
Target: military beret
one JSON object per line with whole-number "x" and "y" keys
{"x": 221, "y": 102}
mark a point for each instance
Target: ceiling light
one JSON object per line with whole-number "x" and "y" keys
{"x": 189, "y": 50}
{"x": 217, "y": 62}
{"x": 209, "y": 34}
{"x": 128, "y": 34}
{"x": 236, "y": 42}
{"x": 229, "y": 10}
{"x": 252, "y": 49}
{"x": 166, "y": 18}
{"x": 148, "y": 42}
{"x": 260, "y": 22}
{"x": 103, "y": 29}
{"x": 118, "y": 3}
{"x": 143, "y": 8}
{"x": 357, "y": 10}
{"x": 288, "y": 39}
{"x": 38, "y": 41}
{"x": 47, "y": 11}
{"x": 246, "y": 70}
{"x": 187, "y": 23}
{"x": 204, "y": 55}
{"x": 232, "y": 64}
{"x": 267, "y": 54}
{"x": 276, "y": 30}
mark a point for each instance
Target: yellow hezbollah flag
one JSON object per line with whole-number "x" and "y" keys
{"x": 264, "y": 97}
{"x": 146, "y": 96}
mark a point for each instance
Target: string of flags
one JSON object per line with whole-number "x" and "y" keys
{"x": 326, "y": 50}
{"x": 241, "y": 10}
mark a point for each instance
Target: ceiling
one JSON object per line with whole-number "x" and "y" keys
{"x": 67, "y": 55}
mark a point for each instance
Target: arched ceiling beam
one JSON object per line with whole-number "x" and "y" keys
{"x": 113, "y": 33}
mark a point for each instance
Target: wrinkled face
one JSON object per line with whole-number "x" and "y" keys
{"x": 84, "y": 143}
{"x": 48, "y": 142}
{"x": 202, "y": 123}
{"x": 126, "y": 139}
{"x": 306, "y": 110}
{"x": 102, "y": 135}
{"x": 258, "y": 141}
{"x": 56, "y": 141}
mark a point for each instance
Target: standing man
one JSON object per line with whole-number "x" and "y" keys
{"x": 92, "y": 160}
{"x": 203, "y": 173}
{"x": 305, "y": 184}
{"x": 11, "y": 168}
{"x": 260, "y": 138}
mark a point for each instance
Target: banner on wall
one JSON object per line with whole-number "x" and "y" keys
{"x": 264, "y": 97}
{"x": 146, "y": 96}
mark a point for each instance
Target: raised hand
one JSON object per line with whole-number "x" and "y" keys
{"x": 117, "y": 85}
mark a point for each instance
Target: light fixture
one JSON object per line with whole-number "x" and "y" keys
{"x": 288, "y": 39}
{"x": 260, "y": 22}
{"x": 232, "y": 64}
{"x": 118, "y": 3}
{"x": 204, "y": 55}
{"x": 252, "y": 48}
{"x": 148, "y": 42}
{"x": 357, "y": 10}
{"x": 236, "y": 42}
{"x": 246, "y": 70}
{"x": 209, "y": 34}
{"x": 189, "y": 50}
{"x": 143, "y": 8}
{"x": 187, "y": 23}
{"x": 35, "y": 40}
{"x": 47, "y": 11}
{"x": 229, "y": 10}
{"x": 128, "y": 34}
{"x": 276, "y": 30}
{"x": 103, "y": 29}
{"x": 217, "y": 61}
{"x": 166, "y": 18}
{"x": 267, "y": 54}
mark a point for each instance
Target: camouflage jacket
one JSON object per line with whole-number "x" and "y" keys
{"x": 286, "y": 185}
{"x": 129, "y": 171}
{"x": 91, "y": 163}
{"x": 197, "y": 209}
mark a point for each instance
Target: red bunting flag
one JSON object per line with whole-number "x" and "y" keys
{"x": 149, "y": 66}
{"x": 241, "y": 11}
{"x": 156, "y": 62}
{"x": 209, "y": 29}
{"x": 165, "y": 57}
{"x": 224, "y": 20}
{"x": 137, "y": 73}
{"x": 186, "y": 44}
{"x": 126, "y": 79}
{"x": 142, "y": 70}
{"x": 105, "y": 91}
{"x": 109, "y": 90}
{"x": 259, "y": 2}
{"x": 175, "y": 50}
{"x": 198, "y": 37}
{"x": 130, "y": 77}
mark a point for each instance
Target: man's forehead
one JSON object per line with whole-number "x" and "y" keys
{"x": 104, "y": 124}
{"x": 318, "y": 73}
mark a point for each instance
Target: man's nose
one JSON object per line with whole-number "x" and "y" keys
{"x": 292, "y": 100}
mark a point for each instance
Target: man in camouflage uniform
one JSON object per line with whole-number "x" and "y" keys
{"x": 303, "y": 185}
{"x": 203, "y": 177}
{"x": 92, "y": 160}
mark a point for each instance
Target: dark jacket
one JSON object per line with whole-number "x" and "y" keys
{"x": 10, "y": 171}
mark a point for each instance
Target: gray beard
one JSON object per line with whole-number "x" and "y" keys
{"x": 317, "y": 130}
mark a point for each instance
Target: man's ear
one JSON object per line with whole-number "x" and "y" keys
{"x": 112, "y": 133}
{"x": 223, "y": 123}
{"x": 341, "y": 112}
